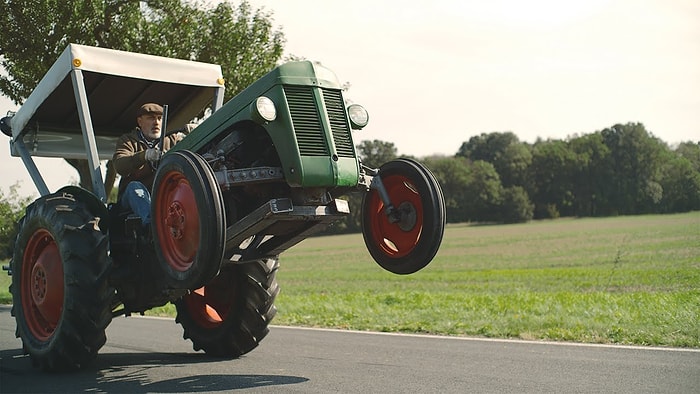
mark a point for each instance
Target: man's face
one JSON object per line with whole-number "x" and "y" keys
{"x": 150, "y": 125}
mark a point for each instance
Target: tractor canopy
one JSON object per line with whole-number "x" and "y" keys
{"x": 90, "y": 95}
{"x": 115, "y": 84}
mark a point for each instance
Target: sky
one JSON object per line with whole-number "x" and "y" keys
{"x": 434, "y": 74}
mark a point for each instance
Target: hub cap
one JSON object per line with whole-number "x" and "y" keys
{"x": 42, "y": 284}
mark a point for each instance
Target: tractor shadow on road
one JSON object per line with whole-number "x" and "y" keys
{"x": 133, "y": 373}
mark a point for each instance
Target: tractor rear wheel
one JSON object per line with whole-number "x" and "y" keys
{"x": 229, "y": 316}
{"x": 60, "y": 291}
{"x": 408, "y": 241}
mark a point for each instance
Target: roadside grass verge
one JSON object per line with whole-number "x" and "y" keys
{"x": 626, "y": 280}
{"x": 623, "y": 280}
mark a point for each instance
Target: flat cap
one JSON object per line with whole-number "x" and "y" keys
{"x": 149, "y": 108}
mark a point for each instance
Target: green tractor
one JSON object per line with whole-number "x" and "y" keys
{"x": 258, "y": 175}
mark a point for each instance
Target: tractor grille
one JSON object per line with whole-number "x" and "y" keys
{"x": 339, "y": 124}
{"x": 307, "y": 122}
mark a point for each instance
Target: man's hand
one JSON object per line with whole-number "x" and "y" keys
{"x": 184, "y": 131}
{"x": 153, "y": 155}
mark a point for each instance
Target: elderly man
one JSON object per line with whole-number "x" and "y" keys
{"x": 136, "y": 158}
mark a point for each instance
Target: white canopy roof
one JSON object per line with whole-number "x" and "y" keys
{"x": 116, "y": 84}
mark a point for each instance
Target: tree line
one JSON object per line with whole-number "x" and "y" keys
{"x": 496, "y": 178}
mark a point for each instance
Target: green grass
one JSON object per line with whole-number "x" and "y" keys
{"x": 628, "y": 280}
{"x": 632, "y": 280}
{"x": 5, "y": 280}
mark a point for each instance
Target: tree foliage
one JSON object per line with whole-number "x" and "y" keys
{"x": 679, "y": 181}
{"x": 622, "y": 169}
{"x": 516, "y": 206}
{"x": 35, "y": 32}
{"x": 487, "y": 147}
{"x": 553, "y": 164}
{"x": 484, "y": 192}
{"x": 11, "y": 210}
{"x": 454, "y": 175}
{"x": 590, "y": 174}
{"x": 634, "y": 157}
{"x": 375, "y": 153}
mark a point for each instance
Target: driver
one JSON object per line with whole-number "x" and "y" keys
{"x": 136, "y": 158}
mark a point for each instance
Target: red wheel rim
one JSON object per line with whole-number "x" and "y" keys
{"x": 41, "y": 285}
{"x": 396, "y": 239}
{"x": 209, "y": 305}
{"x": 177, "y": 218}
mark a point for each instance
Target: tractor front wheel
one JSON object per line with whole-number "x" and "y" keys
{"x": 407, "y": 239}
{"x": 188, "y": 221}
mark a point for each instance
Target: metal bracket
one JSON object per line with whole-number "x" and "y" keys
{"x": 19, "y": 147}
{"x": 230, "y": 178}
{"x": 278, "y": 225}
{"x": 376, "y": 183}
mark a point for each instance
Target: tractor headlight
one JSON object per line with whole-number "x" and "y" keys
{"x": 358, "y": 116}
{"x": 263, "y": 110}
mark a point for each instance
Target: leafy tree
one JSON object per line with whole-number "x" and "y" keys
{"x": 680, "y": 183}
{"x": 552, "y": 169}
{"x": 487, "y": 147}
{"x": 589, "y": 173}
{"x": 11, "y": 210}
{"x": 454, "y": 176}
{"x": 691, "y": 152}
{"x": 484, "y": 193}
{"x": 375, "y": 153}
{"x": 510, "y": 157}
{"x": 516, "y": 206}
{"x": 634, "y": 157}
{"x": 35, "y": 32}
{"x": 678, "y": 177}
{"x": 513, "y": 164}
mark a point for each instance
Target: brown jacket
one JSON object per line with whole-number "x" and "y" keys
{"x": 130, "y": 159}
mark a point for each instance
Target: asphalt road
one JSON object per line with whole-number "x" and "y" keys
{"x": 149, "y": 355}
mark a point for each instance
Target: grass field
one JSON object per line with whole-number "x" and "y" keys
{"x": 628, "y": 280}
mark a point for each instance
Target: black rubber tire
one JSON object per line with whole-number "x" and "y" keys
{"x": 243, "y": 295}
{"x": 61, "y": 319}
{"x": 411, "y": 244}
{"x": 191, "y": 264}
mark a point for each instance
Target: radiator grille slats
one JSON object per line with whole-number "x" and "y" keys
{"x": 307, "y": 122}
{"x": 339, "y": 124}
